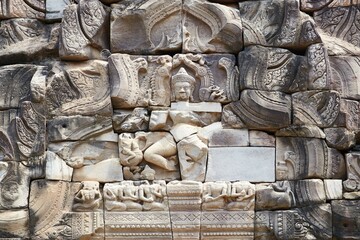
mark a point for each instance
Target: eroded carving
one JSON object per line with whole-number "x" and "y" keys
{"x": 210, "y": 27}
{"x": 22, "y": 9}
{"x": 88, "y": 198}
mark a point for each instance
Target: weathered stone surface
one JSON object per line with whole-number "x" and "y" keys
{"x": 21, "y": 82}
{"x": 319, "y": 108}
{"x": 215, "y": 75}
{"x": 55, "y": 8}
{"x": 137, "y": 211}
{"x": 23, "y": 39}
{"x": 55, "y": 219}
{"x": 78, "y": 127}
{"x": 348, "y": 115}
{"x": 131, "y": 121}
{"x": 92, "y": 160}
{"x": 353, "y": 172}
{"x": 333, "y": 189}
{"x": 319, "y": 72}
{"x": 313, "y": 5}
{"x": 22, "y": 133}
{"x": 339, "y": 20}
{"x": 277, "y": 23}
{"x": 303, "y": 223}
{"x": 272, "y": 69}
{"x": 288, "y": 194}
{"x": 345, "y": 79}
{"x": 255, "y": 164}
{"x": 345, "y": 219}
{"x": 14, "y": 185}
{"x": 148, "y": 155}
{"x": 185, "y": 199}
{"x": 84, "y": 30}
{"x": 261, "y": 139}
{"x": 14, "y": 224}
{"x": 339, "y": 138}
{"x": 22, "y": 9}
{"x": 227, "y": 210}
{"x": 192, "y": 154}
{"x": 139, "y": 80}
{"x": 56, "y": 168}
{"x": 259, "y": 110}
{"x": 79, "y": 89}
{"x": 229, "y": 138}
{"x": 298, "y": 158}
{"x": 306, "y": 131}
{"x": 210, "y": 27}
{"x": 158, "y": 28}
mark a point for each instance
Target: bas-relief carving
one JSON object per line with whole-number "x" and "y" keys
{"x": 24, "y": 39}
{"x": 140, "y": 204}
{"x": 88, "y": 198}
{"x": 139, "y": 81}
{"x": 148, "y": 155}
{"x": 352, "y": 183}
{"x": 340, "y": 138}
{"x": 339, "y": 20}
{"x": 131, "y": 120}
{"x": 272, "y": 69}
{"x": 227, "y": 210}
{"x": 312, "y": 222}
{"x": 308, "y": 131}
{"x": 158, "y": 26}
{"x": 83, "y": 30}
{"x": 14, "y": 224}
{"x": 55, "y": 219}
{"x": 22, "y": 9}
{"x": 289, "y": 194}
{"x": 277, "y": 23}
{"x": 319, "y": 108}
{"x": 78, "y": 89}
{"x": 261, "y": 110}
{"x": 185, "y": 208}
{"x": 299, "y": 158}
{"x": 345, "y": 80}
{"x": 210, "y": 27}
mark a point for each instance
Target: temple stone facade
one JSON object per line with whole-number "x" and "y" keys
{"x": 179, "y": 120}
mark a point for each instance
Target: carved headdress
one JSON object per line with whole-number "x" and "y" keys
{"x": 183, "y": 76}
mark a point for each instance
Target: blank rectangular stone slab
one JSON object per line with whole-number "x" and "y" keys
{"x": 229, "y": 138}
{"x": 254, "y": 164}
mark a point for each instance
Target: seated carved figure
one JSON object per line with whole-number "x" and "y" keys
{"x": 131, "y": 197}
{"x": 88, "y": 198}
{"x": 214, "y": 197}
{"x": 152, "y": 197}
{"x": 113, "y": 195}
{"x": 243, "y": 197}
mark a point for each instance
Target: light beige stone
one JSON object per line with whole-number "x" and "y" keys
{"x": 15, "y": 223}
{"x": 148, "y": 155}
{"x": 56, "y": 168}
{"x": 255, "y": 164}
{"x": 306, "y": 131}
{"x": 229, "y": 138}
{"x": 353, "y": 172}
{"x": 185, "y": 208}
{"x": 196, "y": 107}
{"x": 261, "y": 139}
{"x": 333, "y": 189}
{"x": 131, "y": 121}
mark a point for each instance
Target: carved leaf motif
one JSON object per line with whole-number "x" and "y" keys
{"x": 30, "y": 129}
{"x": 6, "y": 146}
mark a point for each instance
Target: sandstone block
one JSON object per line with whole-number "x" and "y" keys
{"x": 260, "y": 110}
{"x": 277, "y": 23}
{"x": 14, "y": 224}
{"x": 261, "y": 139}
{"x": 340, "y": 138}
{"x": 255, "y": 164}
{"x": 131, "y": 121}
{"x": 299, "y": 158}
{"x": 306, "y": 131}
{"x": 22, "y": 9}
{"x": 158, "y": 28}
{"x": 210, "y": 27}
{"x": 345, "y": 215}
{"x": 319, "y": 108}
{"x": 333, "y": 189}
{"x": 55, "y": 8}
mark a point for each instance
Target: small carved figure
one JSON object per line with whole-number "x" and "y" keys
{"x": 215, "y": 194}
{"x": 131, "y": 197}
{"x": 152, "y": 197}
{"x": 243, "y": 196}
{"x": 113, "y": 195}
{"x": 88, "y": 198}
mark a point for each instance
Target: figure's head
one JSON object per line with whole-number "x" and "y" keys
{"x": 183, "y": 86}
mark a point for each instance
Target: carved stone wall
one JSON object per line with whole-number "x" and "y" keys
{"x": 182, "y": 119}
